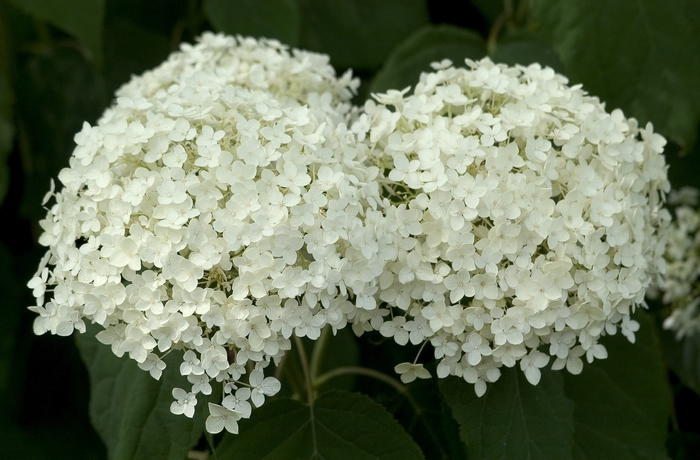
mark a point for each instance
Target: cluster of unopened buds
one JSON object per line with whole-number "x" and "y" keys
{"x": 233, "y": 198}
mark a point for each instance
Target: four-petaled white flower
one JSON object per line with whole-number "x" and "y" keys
{"x": 409, "y": 372}
{"x": 184, "y": 402}
{"x": 220, "y": 418}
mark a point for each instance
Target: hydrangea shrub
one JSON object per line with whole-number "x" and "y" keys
{"x": 232, "y": 199}
{"x": 218, "y": 207}
{"x": 524, "y": 219}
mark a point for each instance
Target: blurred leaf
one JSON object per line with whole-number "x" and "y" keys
{"x": 359, "y": 33}
{"x": 514, "y": 419}
{"x": 80, "y": 18}
{"x": 339, "y": 426}
{"x": 131, "y": 49}
{"x": 450, "y": 429}
{"x": 163, "y": 17}
{"x": 641, "y": 56}
{"x": 683, "y": 446}
{"x": 423, "y": 417}
{"x": 341, "y": 350}
{"x": 683, "y": 165}
{"x": 489, "y": 8}
{"x": 59, "y": 90}
{"x": 683, "y": 357}
{"x": 7, "y": 133}
{"x": 525, "y": 48}
{"x": 131, "y": 410}
{"x": 623, "y": 402}
{"x": 427, "y": 45}
{"x": 278, "y": 19}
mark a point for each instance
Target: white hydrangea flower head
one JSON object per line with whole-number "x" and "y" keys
{"x": 681, "y": 285}
{"x": 522, "y": 218}
{"x": 218, "y": 207}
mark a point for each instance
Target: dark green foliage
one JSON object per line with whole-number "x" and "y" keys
{"x": 339, "y": 426}
{"x": 642, "y": 56}
{"x": 616, "y": 408}
{"x": 82, "y": 19}
{"x": 278, "y": 19}
{"x": 514, "y": 419}
{"x": 429, "y": 44}
{"x": 131, "y": 410}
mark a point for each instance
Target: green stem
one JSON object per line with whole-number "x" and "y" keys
{"x": 319, "y": 351}
{"x": 420, "y": 351}
{"x": 497, "y": 26}
{"x": 521, "y": 12}
{"x": 356, "y": 370}
{"x": 305, "y": 368}
{"x": 392, "y": 382}
{"x": 210, "y": 441}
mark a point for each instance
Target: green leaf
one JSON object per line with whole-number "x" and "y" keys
{"x": 421, "y": 412}
{"x": 341, "y": 350}
{"x": 427, "y": 45}
{"x": 450, "y": 429}
{"x": 622, "y": 402}
{"x": 131, "y": 49}
{"x": 641, "y": 56}
{"x": 683, "y": 446}
{"x": 80, "y": 18}
{"x": 525, "y": 48}
{"x": 683, "y": 357}
{"x": 359, "y": 33}
{"x": 514, "y": 419}
{"x": 131, "y": 411}
{"x": 489, "y": 8}
{"x": 278, "y": 19}
{"x": 339, "y": 426}
{"x": 59, "y": 90}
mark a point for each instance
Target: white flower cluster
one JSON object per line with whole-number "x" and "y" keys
{"x": 218, "y": 207}
{"x": 681, "y": 284}
{"x": 522, "y": 217}
{"x": 222, "y": 205}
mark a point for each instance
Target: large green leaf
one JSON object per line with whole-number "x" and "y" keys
{"x": 81, "y": 18}
{"x": 617, "y": 408}
{"x": 359, "y": 33}
{"x": 489, "y": 8}
{"x": 58, "y": 90}
{"x": 683, "y": 357}
{"x": 258, "y": 18}
{"x": 526, "y": 48}
{"x": 427, "y": 45}
{"x": 424, "y": 416}
{"x": 514, "y": 419}
{"x": 641, "y": 56}
{"x": 340, "y": 350}
{"x": 131, "y": 411}
{"x": 131, "y": 49}
{"x": 339, "y": 426}
{"x": 622, "y": 402}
